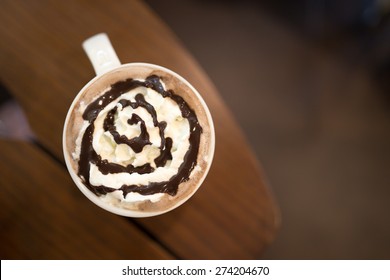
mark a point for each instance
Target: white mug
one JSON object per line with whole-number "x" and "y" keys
{"x": 110, "y": 72}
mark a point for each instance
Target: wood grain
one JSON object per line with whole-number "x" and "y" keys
{"x": 233, "y": 215}
{"x": 43, "y": 216}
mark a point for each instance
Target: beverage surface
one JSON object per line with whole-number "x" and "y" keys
{"x": 150, "y": 149}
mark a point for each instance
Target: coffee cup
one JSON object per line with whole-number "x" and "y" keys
{"x": 138, "y": 139}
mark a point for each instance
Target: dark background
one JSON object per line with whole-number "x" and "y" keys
{"x": 309, "y": 83}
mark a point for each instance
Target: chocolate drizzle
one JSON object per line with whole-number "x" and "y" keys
{"x": 88, "y": 155}
{"x": 136, "y": 143}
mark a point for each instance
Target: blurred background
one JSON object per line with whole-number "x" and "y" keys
{"x": 309, "y": 83}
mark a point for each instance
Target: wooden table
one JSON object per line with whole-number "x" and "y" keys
{"x": 43, "y": 214}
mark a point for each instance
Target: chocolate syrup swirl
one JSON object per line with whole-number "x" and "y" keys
{"x": 88, "y": 155}
{"x": 136, "y": 143}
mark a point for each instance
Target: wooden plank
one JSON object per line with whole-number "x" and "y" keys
{"x": 43, "y": 216}
{"x": 233, "y": 215}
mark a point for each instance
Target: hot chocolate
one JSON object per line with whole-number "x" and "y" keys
{"x": 138, "y": 140}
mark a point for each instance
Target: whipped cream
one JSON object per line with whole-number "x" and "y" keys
{"x": 103, "y": 143}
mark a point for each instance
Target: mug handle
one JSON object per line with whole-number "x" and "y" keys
{"x": 101, "y": 53}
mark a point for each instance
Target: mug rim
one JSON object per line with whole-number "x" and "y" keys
{"x": 128, "y": 212}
